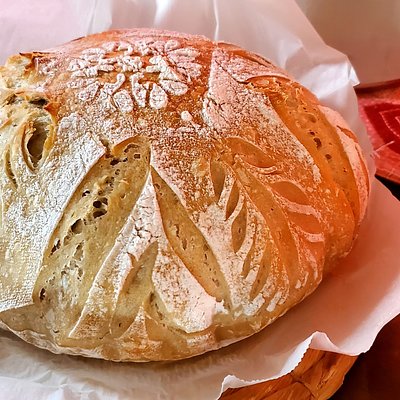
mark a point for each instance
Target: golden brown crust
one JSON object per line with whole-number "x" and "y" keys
{"x": 163, "y": 195}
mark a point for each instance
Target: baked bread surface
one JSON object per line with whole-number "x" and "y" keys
{"x": 163, "y": 195}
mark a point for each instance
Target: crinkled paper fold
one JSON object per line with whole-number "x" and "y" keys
{"x": 347, "y": 310}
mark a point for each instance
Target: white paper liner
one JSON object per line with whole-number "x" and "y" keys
{"x": 368, "y": 31}
{"x": 350, "y": 307}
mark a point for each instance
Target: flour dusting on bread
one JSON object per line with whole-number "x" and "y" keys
{"x": 163, "y": 195}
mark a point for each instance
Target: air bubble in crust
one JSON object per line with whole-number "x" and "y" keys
{"x": 56, "y": 246}
{"x": 317, "y": 142}
{"x": 39, "y": 102}
{"x": 42, "y": 294}
{"x": 77, "y": 226}
{"x": 99, "y": 213}
{"x": 35, "y": 144}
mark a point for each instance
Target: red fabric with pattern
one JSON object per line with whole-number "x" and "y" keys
{"x": 380, "y": 110}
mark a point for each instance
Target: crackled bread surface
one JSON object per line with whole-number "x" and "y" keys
{"x": 163, "y": 195}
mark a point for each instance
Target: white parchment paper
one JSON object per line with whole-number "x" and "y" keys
{"x": 347, "y": 310}
{"x": 368, "y": 31}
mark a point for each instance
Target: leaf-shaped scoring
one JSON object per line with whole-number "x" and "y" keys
{"x": 188, "y": 243}
{"x": 136, "y": 291}
{"x": 294, "y": 248}
{"x": 255, "y": 168}
{"x": 232, "y": 202}
{"x": 265, "y": 246}
{"x": 250, "y": 154}
{"x": 239, "y": 220}
{"x": 121, "y": 268}
{"x": 218, "y": 178}
{"x": 262, "y": 254}
{"x": 238, "y": 228}
{"x": 49, "y": 190}
{"x": 158, "y": 232}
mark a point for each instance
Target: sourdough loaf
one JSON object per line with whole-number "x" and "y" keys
{"x": 163, "y": 195}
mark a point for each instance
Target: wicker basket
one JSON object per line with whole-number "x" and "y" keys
{"x": 318, "y": 376}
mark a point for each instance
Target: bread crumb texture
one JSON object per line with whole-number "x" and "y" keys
{"x": 163, "y": 195}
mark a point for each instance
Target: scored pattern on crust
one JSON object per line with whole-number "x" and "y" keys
{"x": 222, "y": 227}
{"x": 227, "y": 222}
{"x": 157, "y": 69}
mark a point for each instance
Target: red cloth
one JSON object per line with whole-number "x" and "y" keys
{"x": 380, "y": 110}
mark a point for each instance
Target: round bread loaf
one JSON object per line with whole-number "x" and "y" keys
{"x": 163, "y": 195}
